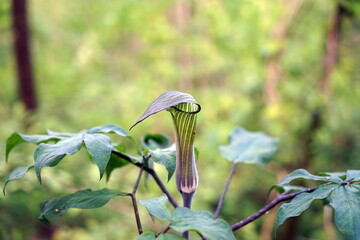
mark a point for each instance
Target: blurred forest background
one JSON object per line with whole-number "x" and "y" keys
{"x": 289, "y": 68}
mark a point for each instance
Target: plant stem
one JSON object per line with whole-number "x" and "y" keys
{"x": 187, "y": 199}
{"x": 221, "y": 200}
{"x": 134, "y": 202}
{"x": 163, "y": 188}
{"x": 269, "y": 206}
{"x": 152, "y": 173}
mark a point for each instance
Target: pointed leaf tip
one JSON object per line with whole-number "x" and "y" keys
{"x": 99, "y": 147}
{"x": 165, "y": 101}
{"x": 17, "y": 173}
{"x": 18, "y": 138}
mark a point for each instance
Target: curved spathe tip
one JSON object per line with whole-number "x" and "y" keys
{"x": 165, "y": 101}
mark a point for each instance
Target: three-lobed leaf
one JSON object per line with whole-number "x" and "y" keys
{"x": 249, "y": 147}
{"x": 48, "y": 155}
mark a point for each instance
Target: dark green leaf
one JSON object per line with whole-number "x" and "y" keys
{"x": 99, "y": 147}
{"x": 183, "y": 219}
{"x": 249, "y": 147}
{"x": 47, "y": 155}
{"x": 18, "y": 138}
{"x": 165, "y": 157}
{"x": 157, "y": 207}
{"x": 166, "y": 101}
{"x": 155, "y": 141}
{"x": 301, "y": 202}
{"x": 301, "y": 174}
{"x": 17, "y": 173}
{"x": 353, "y": 175}
{"x": 346, "y": 201}
{"x": 84, "y": 199}
{"x": 109, "y": 129}
{"x": 115, "y": 161}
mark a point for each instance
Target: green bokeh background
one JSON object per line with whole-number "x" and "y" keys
{"x": 102, "y": 62}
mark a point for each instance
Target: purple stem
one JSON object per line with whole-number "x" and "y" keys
{"x": 221, "y": 200}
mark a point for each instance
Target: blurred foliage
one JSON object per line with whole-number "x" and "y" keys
{"x": 101, "y": 62}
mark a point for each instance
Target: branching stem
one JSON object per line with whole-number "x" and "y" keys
{"x": 152, "y": 173}
{"x": 222, "y": 197}
{"x": 134, "y": 202}
{"x": 283, "y": 197}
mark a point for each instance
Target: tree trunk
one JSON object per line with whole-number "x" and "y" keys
{"x": 22, "y": 53}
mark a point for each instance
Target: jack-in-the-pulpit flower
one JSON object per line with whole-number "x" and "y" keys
{"x": 183, "y": 109}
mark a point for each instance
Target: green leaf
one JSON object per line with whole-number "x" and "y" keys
{"x": 157, "y": 207}
{"x": 84, "y": 199}
{"x": 165, "y": 101}
{"x": 353, "y": 175}
{"x": 301, "y": 174}
{"x": 286, "y": 188}
{"x": 64, "y": 134}
{"x": 183, "y": 219}
{"x": 155, "y": 141}
{"x": 99, "y": 147}
{"x": 109, "y": 129}
{"x": 115, "y": 161}
{"x": 17, "y": 173}
{"x": 147, "y": 236}
{"x": 249, "y": 147}
{"x": 333, "y": 174}
{"x": 47, "y": 155}
{"x": 346, "y": 201}
{"x": 165, "y": 157}
{"x": 302, "y": 202}
{"x": 18, "y": 138}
